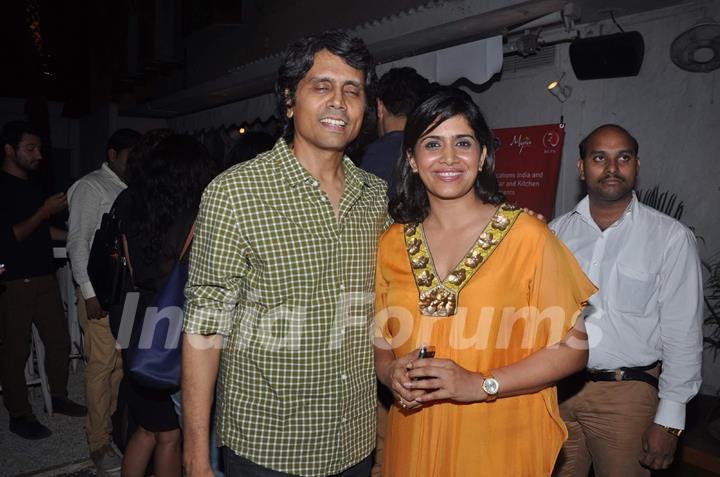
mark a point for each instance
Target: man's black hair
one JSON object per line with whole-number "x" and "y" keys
{"x": 123, "y": 139}
{"x": 13, "y": 131}
{"x": 401, "y": 89}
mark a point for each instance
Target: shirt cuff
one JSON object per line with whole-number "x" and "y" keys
{"x": 670, "y": 414}
{"x": 87, "y": 290}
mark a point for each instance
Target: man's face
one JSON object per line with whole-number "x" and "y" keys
{"x": 118, "y": 161}
{"x": 610, "y": 166}
{"x": 27, "y": 155}
{"x": 329, "y": 105}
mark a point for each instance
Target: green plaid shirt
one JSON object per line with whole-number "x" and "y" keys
{"x": 274, "y": 269}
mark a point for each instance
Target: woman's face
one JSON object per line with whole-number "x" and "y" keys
{"x": 448, "y": 159}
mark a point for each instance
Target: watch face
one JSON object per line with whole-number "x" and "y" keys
{"x": 491, "y": 386}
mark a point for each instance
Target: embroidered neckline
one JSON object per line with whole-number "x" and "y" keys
{"x": 439, "y": 298}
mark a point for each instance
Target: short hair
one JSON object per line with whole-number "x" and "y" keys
{"x": 411, "y": 203}
{"x": 584, "y": 143}
{"x": 123, "y": 139}
{"x": 12, "y": 132}
{"x": 299, "y": 58}
{"x": 401, "y": 89}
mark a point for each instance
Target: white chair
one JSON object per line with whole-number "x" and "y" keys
{"x": 35, "y": 373}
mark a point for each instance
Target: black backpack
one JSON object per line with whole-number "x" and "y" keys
{"x": 107, "y": 266}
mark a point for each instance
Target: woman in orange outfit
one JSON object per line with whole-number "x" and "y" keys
{"x": 491, "y": 289}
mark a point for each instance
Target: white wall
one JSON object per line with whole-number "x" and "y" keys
{"x": 674, "y": 114}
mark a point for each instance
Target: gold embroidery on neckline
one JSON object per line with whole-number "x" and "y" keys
{"x": 440, "y": 298}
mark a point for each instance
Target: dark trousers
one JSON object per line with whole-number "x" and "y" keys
{"x": 22, "y": 303}
{"x": 238, "y": 466}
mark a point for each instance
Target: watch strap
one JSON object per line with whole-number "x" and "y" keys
{"x": 675, "y": 432}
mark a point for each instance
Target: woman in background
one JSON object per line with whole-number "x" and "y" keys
{"x": 491, "y": 289}
{"x": 156, "y": 213}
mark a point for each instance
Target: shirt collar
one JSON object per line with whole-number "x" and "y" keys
{"x": 106, "y": 169}
{"x": 583, "y": 209}
{"x": 296, "y": 174}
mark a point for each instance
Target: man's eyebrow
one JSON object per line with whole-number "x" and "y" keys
{"x": 603, "y": 151}
{"x": 320, "y": 79}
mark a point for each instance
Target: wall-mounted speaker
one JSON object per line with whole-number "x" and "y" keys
{"x": 607, "y": 56}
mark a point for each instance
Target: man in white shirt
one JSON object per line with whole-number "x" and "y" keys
{"x": 644, "y": 325}
{"x": 89, "y": 198}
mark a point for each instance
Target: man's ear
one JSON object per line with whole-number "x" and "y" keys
{"x": 8, "y": 150}
{"x": 581, "y": 169}
{"x": 288, "y": 103}
{"x": 111, "y": 155}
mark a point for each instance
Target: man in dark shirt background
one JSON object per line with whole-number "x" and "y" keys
{"x": 30, "y": 291}
{"x": 398, "y": 92}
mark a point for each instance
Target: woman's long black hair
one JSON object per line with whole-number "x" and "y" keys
{"x": 172, "y": 179}
{"x": 411, "y": 203}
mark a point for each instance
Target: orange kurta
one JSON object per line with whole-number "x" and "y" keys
{"x": 495, "y": 326}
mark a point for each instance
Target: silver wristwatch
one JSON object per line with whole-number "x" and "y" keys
{"x": 491, "y": 386}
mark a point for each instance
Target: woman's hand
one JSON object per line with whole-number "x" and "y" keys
{"x": 444, "y": 379}
{"x": 396, "y": 375}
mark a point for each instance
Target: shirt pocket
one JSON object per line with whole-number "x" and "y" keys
{"x": 633, "y": 290}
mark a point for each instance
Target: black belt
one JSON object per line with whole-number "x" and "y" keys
{"x": 625, "y": 374}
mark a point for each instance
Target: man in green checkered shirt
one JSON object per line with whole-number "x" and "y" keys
{"x": 282, "y": 266}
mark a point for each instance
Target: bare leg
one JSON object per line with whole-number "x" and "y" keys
{"x": 168, "y": 458}
{"x": 137, "y": 453}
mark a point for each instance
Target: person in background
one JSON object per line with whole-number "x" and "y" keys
{"x": 31, "y": 295}
{"x": 156, "y": 213}
{"x": 89, "y": 199}
{"x": 628, "y": 410}
{"x": 248, "y": 146}
{"x": 398, "y": 92}
{"x": 457, "y": 271}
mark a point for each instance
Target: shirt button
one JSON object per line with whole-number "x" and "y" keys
{"x": 342, "y": 286}
{"x": 344, "y": 420}
{"x": 343, "y": 375}
{"x": 314, "y": 183}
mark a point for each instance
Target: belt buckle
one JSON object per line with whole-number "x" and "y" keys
{"x": 619, "y": 374}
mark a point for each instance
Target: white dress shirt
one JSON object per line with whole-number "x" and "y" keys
{"x": 88, "y": 199}
{"x": 650, "y": 302}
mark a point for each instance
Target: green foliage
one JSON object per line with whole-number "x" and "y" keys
{"x": 712, "y": 304}
{"x": 665, "y": 202}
